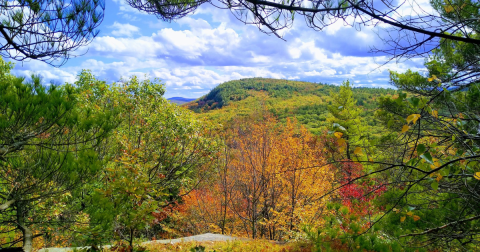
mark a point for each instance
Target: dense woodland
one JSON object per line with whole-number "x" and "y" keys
{"x": 317, "y": 166}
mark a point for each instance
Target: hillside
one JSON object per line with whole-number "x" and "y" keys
{"x": 306, "y": 101}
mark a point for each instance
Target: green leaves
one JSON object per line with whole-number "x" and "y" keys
{"x": 427, "y": 157}
{"x": 421, "y": 149}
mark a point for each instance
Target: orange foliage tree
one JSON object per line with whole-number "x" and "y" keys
{"x": 270, "y": 180}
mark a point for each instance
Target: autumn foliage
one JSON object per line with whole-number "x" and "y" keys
{"x": 271, "y": 179}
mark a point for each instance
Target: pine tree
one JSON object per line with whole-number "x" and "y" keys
{"x": 345, "y": 117}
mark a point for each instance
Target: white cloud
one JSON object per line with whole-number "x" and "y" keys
{"x": 121, "y": 30}
{"x": 194, "y": 24}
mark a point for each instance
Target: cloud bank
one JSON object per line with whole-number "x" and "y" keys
{"x": 203, "y": 50}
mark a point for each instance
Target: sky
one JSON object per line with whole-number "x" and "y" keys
{"x": 196, "y": 53}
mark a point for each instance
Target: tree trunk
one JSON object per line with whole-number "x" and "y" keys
{"x": 348, "y": 150}
{"x": 130, "y": 242}
{"x": 27, "y": 233}
{"x": 292, "y": 214}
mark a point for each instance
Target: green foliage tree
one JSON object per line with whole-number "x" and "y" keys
{"x": 158, "y": 153}
{"x": 48, "y": 153}
{"x": 345, "y": 118}
{"x": 437, "y": 156}
{"x": 430, "y": 159}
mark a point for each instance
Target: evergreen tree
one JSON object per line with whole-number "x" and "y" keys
{"x": 345, "y": 117}
{"x": 49, "y": 146}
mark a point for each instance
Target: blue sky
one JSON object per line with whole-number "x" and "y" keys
{"x": 196, "y": 53}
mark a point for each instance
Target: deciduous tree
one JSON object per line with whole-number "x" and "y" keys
{"x": 158, "y": 154}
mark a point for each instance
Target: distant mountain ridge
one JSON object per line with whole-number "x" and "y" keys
{"x": 180, "y": 100}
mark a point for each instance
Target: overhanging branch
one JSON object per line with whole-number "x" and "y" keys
{"x": 368, "y": 13}
{"x": 442, "y": 227}
{"x": 6, "y": 205}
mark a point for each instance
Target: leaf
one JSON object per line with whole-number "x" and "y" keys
{"x": 477, "y": 175}
{"x": 341, "y": 142}
{"x": 439, "y": 177}
{"x": 402, "y": 219}
{"x": 416, "y": 218}
{"x": 427, "y": 157}
{"x": 421, "y": 149}
{"x": 338, "y": 134}
{"x": 390, "y": 123}
{"x": 358, "y": 151}
{"x": 414, "y": 101}
{"x": 430, "y": 79}
{"x": 435, "y": 113}
{"x": 434, "y": 185}
{"x": 410, "y": 213}
{"x": 413, "y": 117}
{"x": 405, "y": 128}
{"x": 448, "y": 9}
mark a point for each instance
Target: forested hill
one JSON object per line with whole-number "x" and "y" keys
{"x": 306, "y": 101}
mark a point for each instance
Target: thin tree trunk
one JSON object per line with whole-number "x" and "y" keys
{"x": 292, "y": 214}
{"x": 348, "y": 150}
{"x": 27, "y": 233}
{"x": 225, "y": 198}
{"x": 131, "y": 240}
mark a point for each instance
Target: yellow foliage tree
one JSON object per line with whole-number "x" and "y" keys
{"x": 269, "y": 183}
